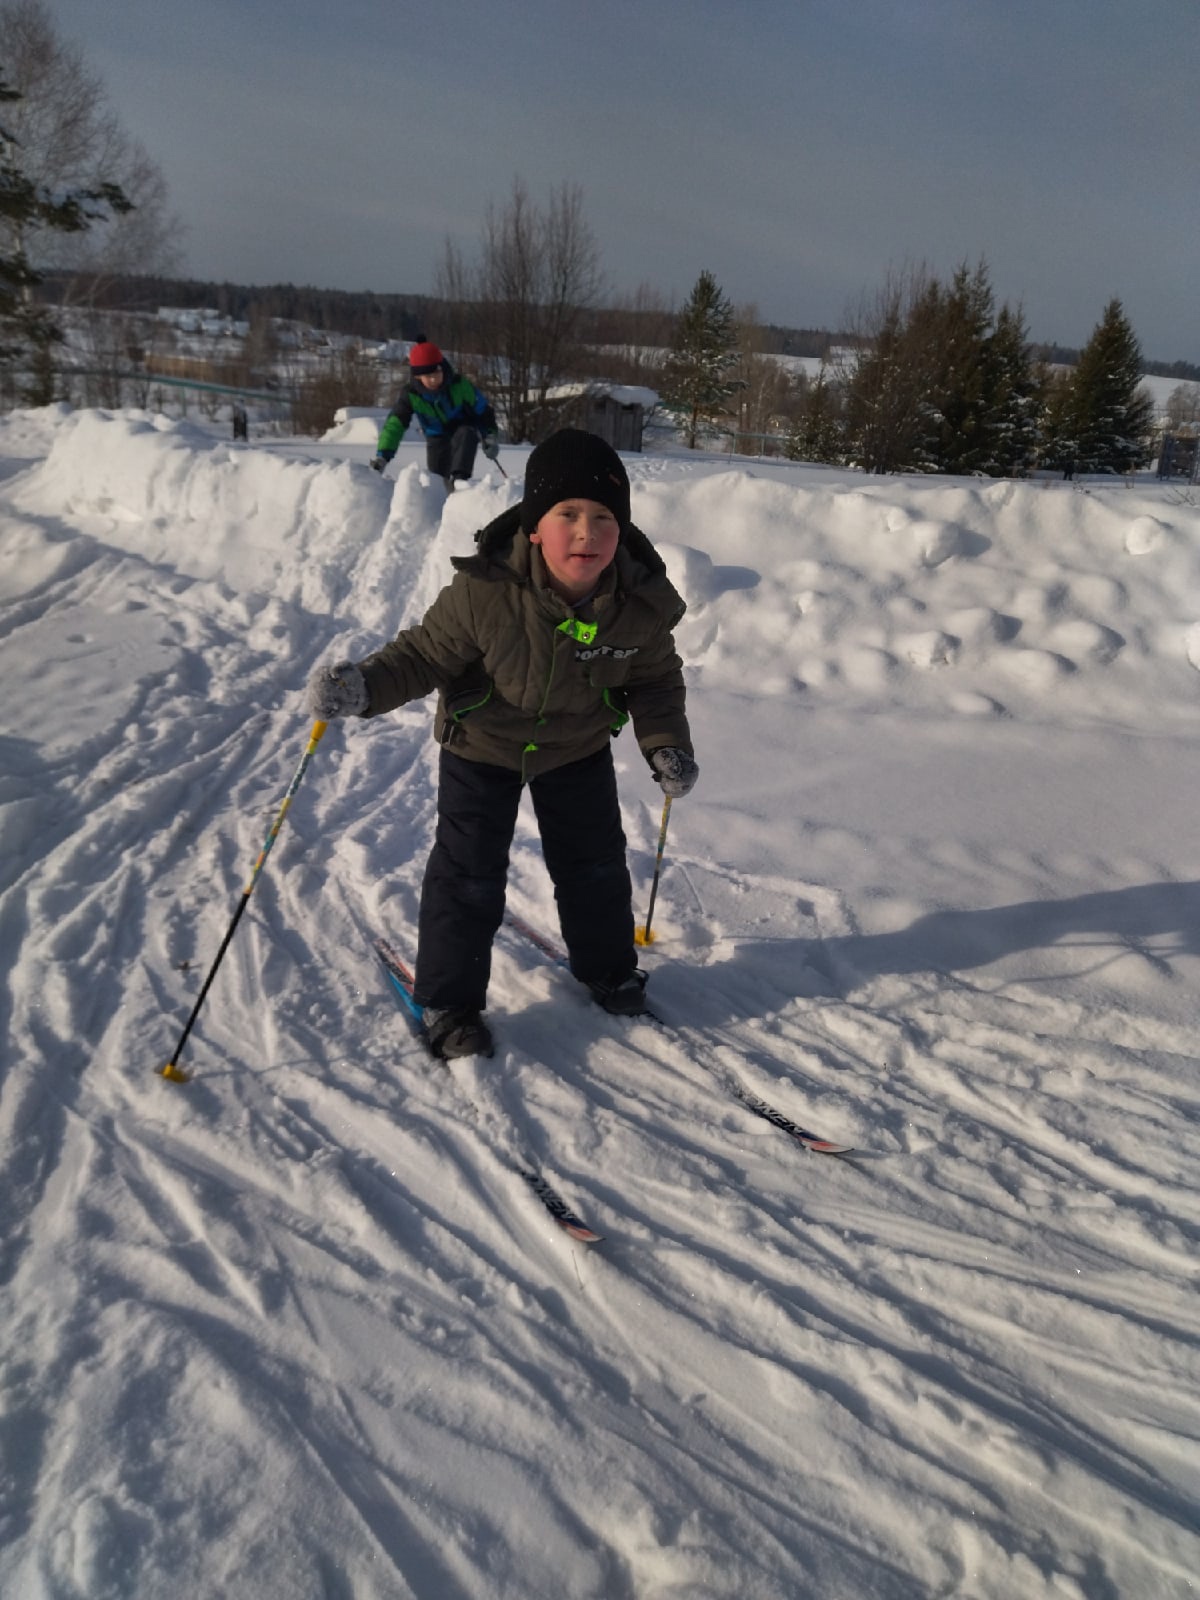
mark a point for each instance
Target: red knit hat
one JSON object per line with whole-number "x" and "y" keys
{"x": 424, "y": 357}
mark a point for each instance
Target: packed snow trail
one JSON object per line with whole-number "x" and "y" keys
{"x": 295, "y": 1330}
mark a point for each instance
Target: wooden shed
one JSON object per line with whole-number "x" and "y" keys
{"x": 618, "y": 414}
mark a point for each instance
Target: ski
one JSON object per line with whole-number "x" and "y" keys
{"x": 755, "y": 1103}
{"x": 810, "y": 1141}
{"x": 400, "y": 978}
{"x": 552, "y": 952}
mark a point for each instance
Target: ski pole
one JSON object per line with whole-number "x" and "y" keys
{"x": 495, "y": 461}
{"x": 173, "y": 1071}
{"x": 643, "y": 935}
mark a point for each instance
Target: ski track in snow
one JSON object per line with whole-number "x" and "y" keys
{"x": 299, "y": 1329}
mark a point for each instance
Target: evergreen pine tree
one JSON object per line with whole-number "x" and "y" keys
{"x": 698, "y": 374}
{"x": 1012, "y": 400}
{"x": 816, "y": 434}
{"x": 1106, "y": 414}
{"x": 879, "y": 413}
{"x": 946, "y": 385}
{"x": 1059, "y": 447}
{"x": 927, "y": 354}
{"x": 957, "y": 401}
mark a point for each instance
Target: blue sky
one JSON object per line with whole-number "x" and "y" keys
{"x": 796, "y": 150}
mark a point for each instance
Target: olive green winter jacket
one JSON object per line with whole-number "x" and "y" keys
{"x": 523, "y": 682}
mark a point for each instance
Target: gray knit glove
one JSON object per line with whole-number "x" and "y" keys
{"x": 337, "y": 690}
{"x": 675, "y": 770}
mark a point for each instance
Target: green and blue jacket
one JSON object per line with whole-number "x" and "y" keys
{"x": 457, "y": 403}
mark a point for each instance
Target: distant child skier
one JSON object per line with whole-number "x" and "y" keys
{"x": 546, "y": 641}
{"x": 453, "y": 414}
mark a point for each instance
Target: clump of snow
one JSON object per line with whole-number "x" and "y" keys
{"x": 358, "y": 425}
{"x": 1145, "y": 534}
{"x": 936, "y": 541}
{"x": 691, "y": 571}
{"x": 1078, "y": 640}
{"x": 932, "y": 649}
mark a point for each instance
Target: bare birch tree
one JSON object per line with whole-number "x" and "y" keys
{"x": 517, "y": 313}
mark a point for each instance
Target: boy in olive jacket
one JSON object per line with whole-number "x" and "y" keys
{"x": 544, "y": 644}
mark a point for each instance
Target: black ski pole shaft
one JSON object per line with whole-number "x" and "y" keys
{"x": 173, "y": 1071}
{"x": 643, "y": 935}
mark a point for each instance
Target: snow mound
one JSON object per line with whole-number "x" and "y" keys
{"x": 1082, "y": 641}
{"x": 1037, "y": 670}
{"x": 933, "y": 649}
{"x": 1145, "y": 534}
{"x": 936, "y": 542}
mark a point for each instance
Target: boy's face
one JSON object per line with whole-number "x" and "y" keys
{"x": 578, "y": 540}
{"x": 432, "y": 380}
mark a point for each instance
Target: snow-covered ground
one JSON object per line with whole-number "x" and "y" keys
{"x": 299, "y": 1331}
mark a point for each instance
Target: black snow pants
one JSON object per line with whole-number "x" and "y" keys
{"x": 452, "y": 455}
{"x": 462, "y": 898}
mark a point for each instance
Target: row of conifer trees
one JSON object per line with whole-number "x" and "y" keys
{"x": 938, "y": 380}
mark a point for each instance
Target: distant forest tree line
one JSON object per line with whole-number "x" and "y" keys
{"x": 363, "y": 314}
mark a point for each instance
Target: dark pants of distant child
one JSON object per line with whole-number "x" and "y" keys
{"x": 462, "y": 899}
{"x": 452, "y": 455}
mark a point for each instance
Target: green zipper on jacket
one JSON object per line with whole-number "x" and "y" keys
{"x": 531, "y": 747}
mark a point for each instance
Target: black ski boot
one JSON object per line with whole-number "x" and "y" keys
{"x": 621, "y": 993}
{"x": 452, "y": 1031}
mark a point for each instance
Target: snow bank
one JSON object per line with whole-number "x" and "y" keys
{"x": 167, "y": 492}
{"x": 943, "y": 595}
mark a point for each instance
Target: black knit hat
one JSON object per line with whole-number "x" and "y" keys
{"x": 574, "y": 465}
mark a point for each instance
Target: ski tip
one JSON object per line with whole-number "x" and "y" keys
{"x": 561, "y": 1212}
{"x": 174, "y": 1074}
{"x": 583, "y": 1234}
{"x": 825, "y": 1147}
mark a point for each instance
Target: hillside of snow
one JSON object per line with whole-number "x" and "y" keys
{"x": 298, "y": 1330}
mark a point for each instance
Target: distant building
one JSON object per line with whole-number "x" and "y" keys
{"x": 198, "y": 321}
{"x": 617, "y": 412}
